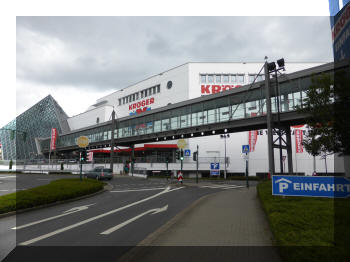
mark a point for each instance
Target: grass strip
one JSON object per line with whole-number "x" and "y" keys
{"x": 57, "y": 190}
{"x": 307, "y": 228}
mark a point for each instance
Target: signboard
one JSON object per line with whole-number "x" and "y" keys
{"x": 53, "y": 138}
{"x": 213, "y": 89}
{"x": 214, "y": 169}
{"x": 187, "y": 152}
{"x": 298, "y": 141}
{"x": 83, "y": 141}
{"x": 90, "y": 156}
{"x": 181, "y": 143}
{"x": 341, "y": 34}
{"x": 311, "y": 186}
{"x": 245, "y": 149}
{"x": 253, "y": 137}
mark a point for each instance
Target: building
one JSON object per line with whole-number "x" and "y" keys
{"x": 184, "y": 82}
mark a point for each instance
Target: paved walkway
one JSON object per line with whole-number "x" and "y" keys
{"x": 226, "y": 226}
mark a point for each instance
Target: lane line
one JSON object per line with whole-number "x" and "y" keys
{"x": 133, "y": 190}
{"x": 58, "y": 231}
{"x": 115, "y": 228}
{"x": 7, "y": 177}
{"x": 65, "y": 213}
{"x": 228, "y": 187}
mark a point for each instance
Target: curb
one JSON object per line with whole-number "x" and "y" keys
{"x": 105, "y": 188}
{"x": 138, "y": 250}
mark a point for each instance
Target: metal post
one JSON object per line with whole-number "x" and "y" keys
{"x": 289, "y": 150}
{"x": 246, "y": 170}
{"x": 132, "y": 159}
{"x": 279, "y": 124}
{"x": 197, "y": 164}
{"x": 225, "y": 158}
{"x": 269, "y": 121}
{"x": 112, "y": 139}
{"x": 81, "y": 167}
{"x": 325, "y": 162}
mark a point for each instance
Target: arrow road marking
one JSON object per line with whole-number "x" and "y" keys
{"x": 131, "y": 190}
{"x": 115, "y": 228}
{"x": 65, "y": 213}
{"x": 167, "y": 190}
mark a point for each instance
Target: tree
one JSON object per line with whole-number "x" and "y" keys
{"x": 328, "y": 105}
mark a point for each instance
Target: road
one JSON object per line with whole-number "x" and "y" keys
{"x": 102, "y": 227}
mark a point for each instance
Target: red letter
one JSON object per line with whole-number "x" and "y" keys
{"x": 138, "y": 104}
{"x": 151, "y": 101}
{"x": 143, "y": 103}
{"x": 130, "y": 107}
{"x": 215, "y": 89}
{"x": 147, "y": 102}
{"x": 205, "y": 89}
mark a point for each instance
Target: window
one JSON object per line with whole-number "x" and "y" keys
{"x": 233, "y": 79}
{"x": 133, "y": 97}
{"x": 154, "y": 89}
{"x": 203, "y": 78}
{"x": 158, "y": 88}
{"x": 210, "y": 79}
{"x": 145, "y": 91}
{"x": 97, "y": 120}
{"x": 251, "y": 78}
{"x": 260, "y": 78}
{"x": 225, "y": 79}
{"x": 137, "y": 95}
{"x": 218, "y": 78}
{"x": 142, "y": 94}
{"x": 240, "y": 78}
{"x": 120, "y": 101}
{"x": 123, "y": 100}
{"x": 130, "y": 98}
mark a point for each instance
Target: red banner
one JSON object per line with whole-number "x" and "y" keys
{"x": 53, "y": 138}
{"x": 253, "y": 137}
{"x": 298, "y": 141}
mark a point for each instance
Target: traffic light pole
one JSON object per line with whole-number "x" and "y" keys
{"x": 181, "y": 158}
{"x": 81, "y": 166}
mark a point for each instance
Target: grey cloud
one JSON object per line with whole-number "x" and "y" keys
{"x": 114, "y": 52}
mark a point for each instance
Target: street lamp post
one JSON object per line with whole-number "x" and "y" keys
{"x": 224, "y": 136}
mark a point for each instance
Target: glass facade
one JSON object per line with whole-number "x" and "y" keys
{"x": 209, "y": 111}
{"x": 18, "y": 138}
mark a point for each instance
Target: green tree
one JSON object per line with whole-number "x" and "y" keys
{"x": 328, "y": 105}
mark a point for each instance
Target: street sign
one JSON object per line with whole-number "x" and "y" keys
{"x": 83, "y": 141}
{"x": 311, "y": 186}
{"x": 187, "y": 152}
{"x": 181, "y": 143}
{"x": 245, "y": 149}
{"x": 214, "y": 169}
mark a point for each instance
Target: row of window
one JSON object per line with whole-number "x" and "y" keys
{"x": 142, "y": 94}
{"x": 232, "y": 78}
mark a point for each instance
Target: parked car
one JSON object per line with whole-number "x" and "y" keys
{"x": 100, "y": 173}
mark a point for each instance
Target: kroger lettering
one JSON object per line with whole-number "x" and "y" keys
{"x": 212, "y": 89}
{"x": 142, "y": 103}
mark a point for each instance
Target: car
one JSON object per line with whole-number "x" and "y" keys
{"x": 100, "y": 173}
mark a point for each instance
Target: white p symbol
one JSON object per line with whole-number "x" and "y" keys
{"x": 282, "y": 186}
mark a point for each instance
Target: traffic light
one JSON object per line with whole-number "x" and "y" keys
{"x": 83, "y": 156}
{"x": 182, "y": 155}
{"x": 195, "y": 156}
{"x": 178, "y": 155}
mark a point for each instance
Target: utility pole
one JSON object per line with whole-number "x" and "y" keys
{"x": 246, "y": 170}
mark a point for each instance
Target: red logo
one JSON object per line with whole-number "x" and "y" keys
{"x": 142, "y": 103}
{"x": 213, "y": 89}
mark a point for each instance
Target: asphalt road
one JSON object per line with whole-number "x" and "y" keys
{"x": 98, "y": 228}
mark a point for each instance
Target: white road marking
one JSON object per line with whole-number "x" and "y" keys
{"x": 167, "y": 190}
{"x": 222, "y": 187}
{"x": 65, "y": 213}
{"x": 132, "y": 190}
{"x": 115, "y": 228}
{"x": 4, "y": 190}
{"x": 7, "y": 177}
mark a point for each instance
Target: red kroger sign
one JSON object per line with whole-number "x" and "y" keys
{"x": 142, "y": 103}
{"x": 212, "y": 89}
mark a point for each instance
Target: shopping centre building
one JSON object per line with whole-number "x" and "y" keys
{"x": 182, "y": 83}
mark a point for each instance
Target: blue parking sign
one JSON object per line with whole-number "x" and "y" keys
{"x": 214, "y": 165}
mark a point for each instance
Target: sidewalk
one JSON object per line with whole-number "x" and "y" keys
{"x": 226, "y": 226}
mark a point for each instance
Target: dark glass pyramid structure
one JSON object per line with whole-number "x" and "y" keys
{"x": 19, "y": 138}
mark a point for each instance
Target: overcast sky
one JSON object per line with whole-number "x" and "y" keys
{"x": 80, "y": 59}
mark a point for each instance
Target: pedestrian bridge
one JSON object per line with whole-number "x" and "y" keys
{"x": 236, "y": 110}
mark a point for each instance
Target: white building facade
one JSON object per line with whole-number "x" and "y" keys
{"x": 193, "y": 80}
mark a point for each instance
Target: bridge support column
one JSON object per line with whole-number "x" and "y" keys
{"x": 289, "y": 150}
{"x": 270, "y": 143}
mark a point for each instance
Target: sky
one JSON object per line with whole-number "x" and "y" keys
{"x": 78, "y": 59}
